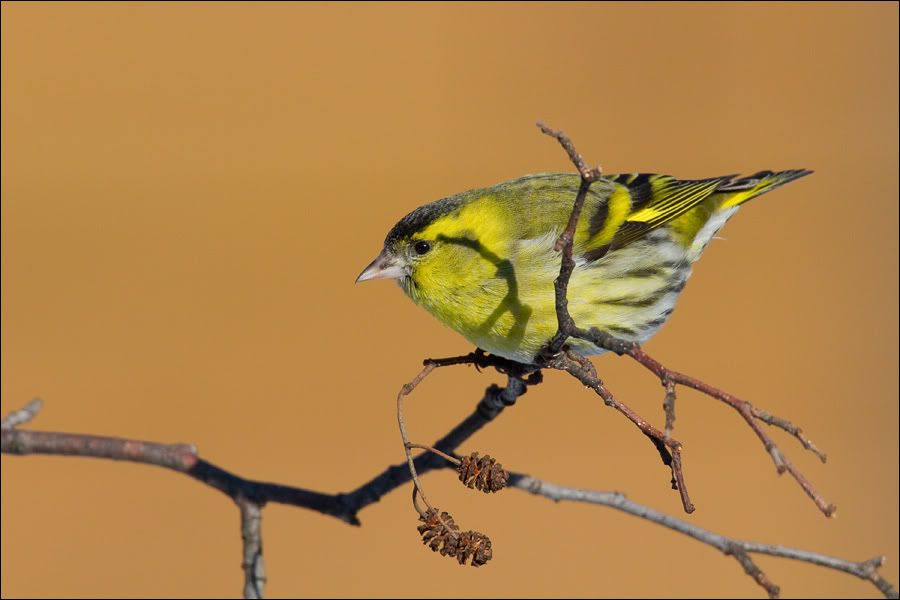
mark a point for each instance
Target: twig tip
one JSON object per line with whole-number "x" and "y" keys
{"x": 23, "y": 415}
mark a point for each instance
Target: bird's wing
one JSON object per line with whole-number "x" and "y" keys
{"x": 618, "y": 209}
{"x": 638, "y": 204}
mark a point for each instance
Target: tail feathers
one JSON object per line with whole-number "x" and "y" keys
{"x": 740, "y": 190}
{"x": 700, "y": 231}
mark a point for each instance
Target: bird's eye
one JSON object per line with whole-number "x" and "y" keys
{"x": 422, "y": 247}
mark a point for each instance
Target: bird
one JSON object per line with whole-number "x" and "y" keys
{"x": 483, "y": 262}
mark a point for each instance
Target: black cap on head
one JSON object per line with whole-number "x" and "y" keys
{"x": 421, "y": 218}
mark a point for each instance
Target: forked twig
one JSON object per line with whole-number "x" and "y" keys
{"x": 578, "y": 366}
{"x": 751, "y": 415}
{"x": 406, "y": 390}
{"x": 552, "y": 356}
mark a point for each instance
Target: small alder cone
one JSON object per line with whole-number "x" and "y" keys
{"x": 441, "y": 533}
{"x": 482, "y": 473}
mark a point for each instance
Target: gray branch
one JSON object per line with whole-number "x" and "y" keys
{"x": 251, "y": 534}
{"x": 739, "y": 549}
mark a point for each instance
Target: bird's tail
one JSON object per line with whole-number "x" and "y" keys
{"x": 700, "y": 226}
{"x": 740, "y": 190}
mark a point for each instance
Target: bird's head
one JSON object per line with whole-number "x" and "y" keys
{"x": 437, "y": 248}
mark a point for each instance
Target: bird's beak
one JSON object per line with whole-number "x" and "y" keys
{"x": 385, "y": 266}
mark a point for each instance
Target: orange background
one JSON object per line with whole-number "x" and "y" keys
{"x": 189, "y": 191}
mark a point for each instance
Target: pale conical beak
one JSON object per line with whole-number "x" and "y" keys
{"x": 385, "y": 266}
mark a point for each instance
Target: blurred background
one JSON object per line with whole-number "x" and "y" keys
{"x": 189, "y": 191}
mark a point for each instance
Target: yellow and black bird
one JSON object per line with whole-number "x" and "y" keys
{"x": 483, "y": 261}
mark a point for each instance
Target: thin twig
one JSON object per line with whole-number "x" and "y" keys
{"x": 668, "y": 447}
{"x": 669, "y": 407}
{"x": 569, "y": 147}
{"x": 444, "y": 455}
{"x": 751, "y": 569}
{"x": 789, "y": 427}
{"x": 23, "y": 415}
{"x": 251, "y": 533}
{"x": 751, "y": 416}
{"x": 482, "y": 360}
{"x": 514, "y": 370}
{"x": 565, "y": 242}
{"x": 405, "y": 391}
{"x": 552, "y": 355}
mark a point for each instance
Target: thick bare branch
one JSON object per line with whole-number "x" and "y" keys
{"x": 185, "y": 459}
{"x": 250, "y": 495}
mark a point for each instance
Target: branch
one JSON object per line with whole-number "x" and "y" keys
{"x": 185, "y": 459}
{"x": 751, "y": 414}
{"x": 739, "y": 549}
{"x": 554, "y": 356}
{"x": 251, "y": 534}
{"x": 668, "y": 447}
{"x": 23, "y": 415}
{"x": 251, "y": 496}
{"x": 439, "y": 531}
